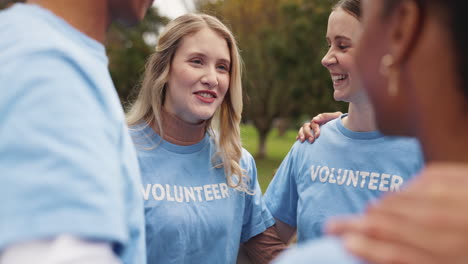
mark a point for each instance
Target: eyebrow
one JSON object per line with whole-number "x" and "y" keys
{"x": 339, "y": 37}
{"x": 199, "y": 54}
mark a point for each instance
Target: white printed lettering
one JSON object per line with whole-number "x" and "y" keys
{"x": 314, "y": 173}
{"x": 168, "y": 193}
{"x": 332, "y": 179}
{"x": 198, "y": 189}
{"x": 353, "y": 177}
{"x": 178, "y": 194}
{"x": 324, "y": 179}
{"x": 384, "y": 182}
{"x": 208, "y": 192}
{"x": 342, "y": 178}
{"x": 161, "y": 191}
{"x": 146, "y": 192}
{"x": 215, "y": 191}
{"x": 364, "y": 175}
{"x": 224, "y": 190}
{"x": 373, "y": 180}
{"x": 397, "y": 181}
{"x": 189, "y": 194}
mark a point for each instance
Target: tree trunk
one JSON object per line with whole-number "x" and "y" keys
{"x": 282, "y": 126}
{"x": 262, "y": 148}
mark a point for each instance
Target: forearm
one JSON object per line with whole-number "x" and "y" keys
{"x": 264, "y": 247}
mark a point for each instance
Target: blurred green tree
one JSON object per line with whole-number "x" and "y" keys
{"x": 128, "y": 49}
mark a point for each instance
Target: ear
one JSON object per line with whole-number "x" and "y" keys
{"x": 406, "y": 21}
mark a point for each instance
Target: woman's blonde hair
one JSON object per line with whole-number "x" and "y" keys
{"x": 224, "y": 125}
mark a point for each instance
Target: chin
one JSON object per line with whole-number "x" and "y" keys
{"x": 204, "y": 116}
{"x": 340, "y": 98}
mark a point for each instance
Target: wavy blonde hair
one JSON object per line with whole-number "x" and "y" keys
{"x": 224, "y": 125}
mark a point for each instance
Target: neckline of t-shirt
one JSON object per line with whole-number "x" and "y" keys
{"x": 370, "y": 135}
{"x": 67, "y": 29}
{"x": 159, "y": 142}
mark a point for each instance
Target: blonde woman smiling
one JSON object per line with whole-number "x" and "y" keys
{"x": 202, "y": 197}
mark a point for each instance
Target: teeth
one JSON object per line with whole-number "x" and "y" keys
{"x": 338, "y": 77}
{"x": 206, "y": 95}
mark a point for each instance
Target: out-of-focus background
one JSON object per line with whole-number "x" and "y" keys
{"x": 282, "y": 43}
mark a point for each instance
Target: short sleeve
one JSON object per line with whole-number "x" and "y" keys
{"x": 281, "y": 196}
{"x": 59, "y": 163}
{"x": 257, "y": 218}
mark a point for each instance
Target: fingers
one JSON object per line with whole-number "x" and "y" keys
{"x": 382, "y": 252}
{"x": 304, "y": 133}
{"x": 308, "y": 134}
{"x": 325, "y": 117}
{"x": 430, "y": 205}
{"x": 300, "y": 135}
{"x": 339, "y": 227}
{"x": 439, "y": 229}
{"x": 316, "y": 131}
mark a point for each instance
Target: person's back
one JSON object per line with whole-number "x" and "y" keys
{"x": 67, "y": 162}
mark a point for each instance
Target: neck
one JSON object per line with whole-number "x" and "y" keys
{"x": 88, "y": 16}
{"x": 444, "y": 140}
{"x": 179, "y": 132}
{"x": 360, "y": 118}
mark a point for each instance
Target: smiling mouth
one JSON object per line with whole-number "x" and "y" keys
{"x": 205, "y": 94}
{"x": 338, "y": 78}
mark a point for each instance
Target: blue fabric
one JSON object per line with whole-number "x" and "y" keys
{"x": 327, "y": 250}
{"x": 338, "y": 175}
{"x": 67, "y": 162}
{"x": 192, "y": 216}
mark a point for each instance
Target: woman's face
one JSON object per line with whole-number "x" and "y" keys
{"x": 343, "y": 33}
{"x": 199, "y": 76}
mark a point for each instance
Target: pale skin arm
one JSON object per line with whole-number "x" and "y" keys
{"x": 425, "y": 223}
{"x": 311, "y": 130}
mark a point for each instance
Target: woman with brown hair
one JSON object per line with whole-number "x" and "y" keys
{"x": 411, "y": 59}
{"x": 352, "y": 163}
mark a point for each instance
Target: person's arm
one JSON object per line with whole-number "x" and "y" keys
{"x": 63, "y": 249}
{"x": 264, "y": 247}
{"x": 425, "y": 223}
{"x": 285, "y": 231}
{"x": 311, "y": 130}
{"x": 61, "y": 168}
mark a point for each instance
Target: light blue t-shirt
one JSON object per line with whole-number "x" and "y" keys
{"x": 338, "y": 175}
{"x": 192, "y": 215}
{"x": 67, "y": 162}
{"x": 327, "y": 250}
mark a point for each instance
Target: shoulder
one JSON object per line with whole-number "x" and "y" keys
{"x": 35, "y": 34}
{"x": 247, "y": 160}
{"x": 143, "y": 138}
{"x": 407, "y": 144}
{"x": 29, "y": 29}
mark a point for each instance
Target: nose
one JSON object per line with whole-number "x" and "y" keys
{"x": 329, "y": 59}
{"x": 210, "y": 78}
